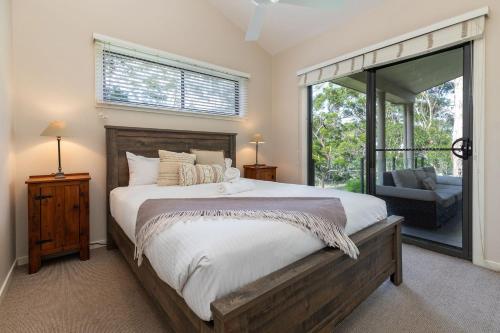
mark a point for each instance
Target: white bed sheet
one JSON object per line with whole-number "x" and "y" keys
{"x": 208, "y": 258}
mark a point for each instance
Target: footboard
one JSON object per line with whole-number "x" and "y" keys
{"x": 314, "y": 294}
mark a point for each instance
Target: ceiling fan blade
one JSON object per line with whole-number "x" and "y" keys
{"x": 256, "y": 23}
{"x": 320, "y": 4}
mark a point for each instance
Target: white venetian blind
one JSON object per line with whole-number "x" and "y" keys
{"x": 440, "y": 36}
{"x": 138, "y": 77}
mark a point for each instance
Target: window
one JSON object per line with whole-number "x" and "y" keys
{"x": 143, "y": 79}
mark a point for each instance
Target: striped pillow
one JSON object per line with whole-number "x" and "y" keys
{"x": 169, "y": 166}
{"x": 190, "y": 174}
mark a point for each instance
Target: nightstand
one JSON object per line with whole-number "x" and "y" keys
{"x": 260, "y": 172}
{"x": 58, "y": 217}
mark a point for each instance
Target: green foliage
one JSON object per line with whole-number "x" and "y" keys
{"x": 353, "y": 185}
{"x": 339, "y": 133}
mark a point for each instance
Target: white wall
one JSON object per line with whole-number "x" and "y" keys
{"x": 54, "y": 75}
{"x": 390, "y": 19}
{"x": 7, "y": 227}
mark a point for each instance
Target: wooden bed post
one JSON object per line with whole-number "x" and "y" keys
{"x": 397, "y": 276}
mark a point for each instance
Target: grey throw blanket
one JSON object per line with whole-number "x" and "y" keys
{"x": 324, "y": 217}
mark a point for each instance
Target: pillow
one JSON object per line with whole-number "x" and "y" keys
{"x": 228, "y": 163}
{"x": 169, "y": 166}
{"x": 429, "y": 184}
{"x": 209, "y": 157}
{"x": 431, "y": 172}
{"x": 190, "y": 174}
{"x": 421, "y": 175}
{"x": 405, "y": 178}
{"x": 142, "y": 170}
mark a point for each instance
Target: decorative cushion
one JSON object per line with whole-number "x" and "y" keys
{"x": 209, "y": 157}
{"x": 142, "y": 170}
{"x": 431, "y": 172}
{"x": 429, "y": 184}
{"x": 169, "y": 166}
{"x": 405, "y": 178}
{"x": 421, "y": 174}
{"x": 190, "y": 174}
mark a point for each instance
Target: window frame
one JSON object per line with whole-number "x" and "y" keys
{"x": 185, "y": 65}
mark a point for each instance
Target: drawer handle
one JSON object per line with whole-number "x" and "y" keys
{"x": 41, "y": 241}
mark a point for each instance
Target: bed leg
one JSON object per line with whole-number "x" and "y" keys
{"x": 397, "y": 276}
{"x": 110, "y": 243}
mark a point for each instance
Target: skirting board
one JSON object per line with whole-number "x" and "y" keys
{"x": 93, "y": 245}
{"x": 6, "y": 282}
{"x": 494, "y": 266}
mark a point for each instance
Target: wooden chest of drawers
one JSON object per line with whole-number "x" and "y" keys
{"x": 260, "y": 172}
{"x": 58, "y": 217}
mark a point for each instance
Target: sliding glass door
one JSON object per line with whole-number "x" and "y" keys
{"x": 402, "y": 132}
{"x": 422, "y": 147}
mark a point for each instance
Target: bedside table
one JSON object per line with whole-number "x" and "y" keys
{"x": 58, "y": 217}
{"x": 260, "y": 172}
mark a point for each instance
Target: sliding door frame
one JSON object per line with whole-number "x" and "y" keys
{"x": 466, "y": 251}
{"x": 310, "y": 161}
{"x": 371, "y": 130}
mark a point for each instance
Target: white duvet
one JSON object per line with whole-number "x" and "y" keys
{"x": 208, "y": 258}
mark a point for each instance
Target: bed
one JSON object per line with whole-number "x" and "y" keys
{"x": 307, "y": 293}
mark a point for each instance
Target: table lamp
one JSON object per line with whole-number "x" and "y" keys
{"x": 257, "y": 138}
{"x": 58, "y": 129}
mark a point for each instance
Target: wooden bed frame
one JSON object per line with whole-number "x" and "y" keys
{"x": 311, "y": 295}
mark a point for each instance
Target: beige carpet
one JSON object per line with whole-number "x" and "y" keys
{"x": 439, "y": 294}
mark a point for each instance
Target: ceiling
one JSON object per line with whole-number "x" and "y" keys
{"x": 402, "y": 82}
{"x": 288, "y": 25}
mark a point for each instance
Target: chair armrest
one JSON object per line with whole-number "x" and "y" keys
{"x": 406, "y": 193}
{"x": 449, "y": 180}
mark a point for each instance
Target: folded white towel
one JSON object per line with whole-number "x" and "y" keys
{"x": 235, "y": 187}
{"x": 231, "y": 175}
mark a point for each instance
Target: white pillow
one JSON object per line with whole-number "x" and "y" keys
{"x": 142, "y": 170}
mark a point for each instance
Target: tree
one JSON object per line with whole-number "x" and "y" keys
{"x": 339, "y": 133}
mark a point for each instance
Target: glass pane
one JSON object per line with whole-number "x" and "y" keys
{"x": 135, "y": 81}
{"x": 419, "y": 113}
{"x": 339, "y": 133}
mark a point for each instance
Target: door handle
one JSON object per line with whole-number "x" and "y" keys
{"x": 465, "y": 148}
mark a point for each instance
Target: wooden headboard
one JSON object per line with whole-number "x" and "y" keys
{"x": 147, "y": 142}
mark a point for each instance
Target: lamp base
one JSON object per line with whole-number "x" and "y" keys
{"x": 258, "y": 164}
{"x": 59, "y": 175}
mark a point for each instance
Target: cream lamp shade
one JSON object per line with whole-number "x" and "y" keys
{"x": 57, "y": 128}
{"x": 257, "y": 138}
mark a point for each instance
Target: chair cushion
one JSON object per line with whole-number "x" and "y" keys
{"x": 405, "y": 178}
{"x": 448, "y": 195}
{"x": 452, "y": 189}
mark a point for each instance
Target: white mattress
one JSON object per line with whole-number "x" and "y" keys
{"x": 208, "y": 258}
